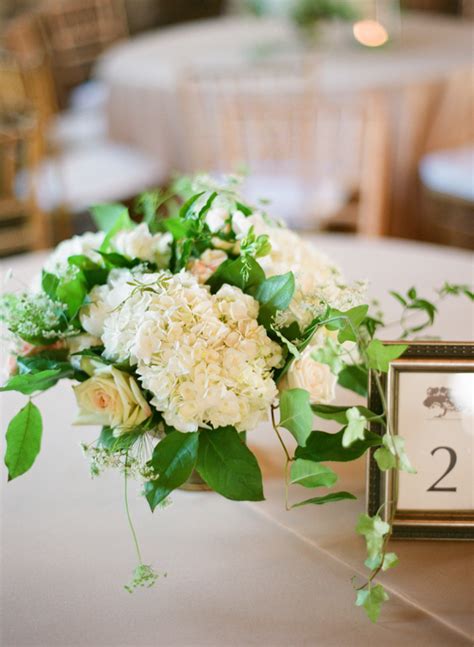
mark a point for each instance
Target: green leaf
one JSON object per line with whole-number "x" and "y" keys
{"x": 28, "y": 383}
{"x": 385, "y": 459}
{"x": 72, "y": 293}
{"x": 372, "y": 599}
{"x": 323, "y": 446}
{"x": 174, "y": 458}
{"x": 328, "y": 498}
{"x": 338, "y": 413}
{"x": 94, "y": 273}
{"x": 177, "y": 227}
{"x": 395, "y": 445}
{"x": 381, "y": 355}
{"x": 187, "y": 210}
{"x": 121, "y": 443}
{"x": 330, "y": 354}
{"x": 355, "y": 429}
{"x": 118, "y": 260}
{"x": 106, "y": 216}
{"x": 348, "y": 321}
{"x": 228, "y": 466}
{"x": 374, "y": 529}
{"x": 243, "y": 273}
{"x": 23, "y": 440}
{"x": 296, "y": 414}
{"x": 354, "y": 378}
{"x": 311, "y": 474}
{"x": 49, "y": 283}
{"x": 273, "y": 294}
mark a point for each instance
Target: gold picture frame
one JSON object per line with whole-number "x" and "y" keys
{"x": 383, "y": 487}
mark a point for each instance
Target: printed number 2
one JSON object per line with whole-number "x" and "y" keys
{"x": 452, "y": 462}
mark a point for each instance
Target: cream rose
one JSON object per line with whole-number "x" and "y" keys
{"x": 312, "y": 376}
{"x": 111, "y": 397}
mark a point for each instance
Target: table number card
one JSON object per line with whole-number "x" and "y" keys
{"x": 430, "y": 396}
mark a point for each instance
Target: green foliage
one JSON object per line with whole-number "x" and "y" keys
{"x": 347, "y": 322}
{"x": 69, "y": 289}
{"x": 330, "y": 354}
{"x": 354, "y": 378}
{"x": 121, "y": 443}
{"x": 29, "y": 383}
{"x": 107, "y": 217}
{"x": 389, "y": 560}
{"x": 23, "y": 440}
{"x": 412, "y": 302}
{"x": 381, "y": 355}
{"x": 374, "y": 530}
{"x": 322, "y": 446}
{"x": 338, "y": 413}
{"x": 372, "y": 600}
{"x": 232, "y": 272}
{"x": 228, "y": 466}
{"x": 332, "y": 497}
{"x": 454, "y": 289}
{"x": 273, "y": 294}
{"x": 392, "y": 455}
{"x": 144, "y": 576}
{"x": 94, "y": 273}
{"x": 173, "y": 460}
{"x": 296, "y": 414}
{"x": 310, "y": 474}
{"x": 355, "y": 429}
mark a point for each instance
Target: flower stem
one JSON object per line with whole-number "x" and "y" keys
{"x": 129, "y": 518}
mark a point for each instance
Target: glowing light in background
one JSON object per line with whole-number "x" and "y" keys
{"x": 370, "y": 33}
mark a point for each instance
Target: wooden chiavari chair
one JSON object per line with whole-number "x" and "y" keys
{"x": 333, "y": 154}
{"x": 77, "y": 32}
{"x": 22, "y": 225}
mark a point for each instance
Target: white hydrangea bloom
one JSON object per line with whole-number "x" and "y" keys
{"x": 140, "y": 243}
{"x": 75, "y": 246}
{"x": 204, "y": 357}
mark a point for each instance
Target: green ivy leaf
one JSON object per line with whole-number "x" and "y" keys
{"x": 374, "y": 529}
{"x": 381, "y": 355}
{"x": 329, "y": 354}
{"x": 328, "y": 498}
{"x": 347, "y": 322}
{"x": 273, "y": 294}
{"x": 23, "y": 440}
{"x": 338, "y": 413}
{"x": 310, "y": 474}
{"x": 177, "y": 227}
{"x": 372, "y": 600}
{"x": 174, "y": 458}
{"x": 389, "y": 561}
{"x": 232, "y": 272}
{"x": 394, "y": 447}
{"x": 228, "y": 466}
{"x": 355, "y": 429}
{"x": 28, "y": 383}
{"x": 296, "y": 414}
{"x": 323, "y": 446}
{"x": 354, "y": 378}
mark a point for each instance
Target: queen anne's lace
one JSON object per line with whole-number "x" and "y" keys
{"x": 204, "y": 358}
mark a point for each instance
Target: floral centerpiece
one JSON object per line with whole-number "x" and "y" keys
{"x": 185, "y": 330}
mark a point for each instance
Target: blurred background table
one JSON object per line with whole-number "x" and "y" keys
{"x": 238, "y": 573}
{"x": 413, "y": 75}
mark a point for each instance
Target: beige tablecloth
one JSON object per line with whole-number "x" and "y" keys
{"x": 238, "y": 573}
{"x": 143, "y": 76}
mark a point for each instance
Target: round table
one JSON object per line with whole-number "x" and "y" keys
{"x": 239, "y": 574}
{"x": 143, "y": 75}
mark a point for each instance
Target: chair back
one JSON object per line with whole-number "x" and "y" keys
{"x": 24, "y": 40}
{"x": 77, "y": 32}
{"x": 22, "y": 225}
{"x": 274, "y": 121}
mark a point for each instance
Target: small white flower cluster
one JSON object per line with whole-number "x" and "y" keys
{"x": 204, "y": 358}
{"x": 136, "y": 243}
